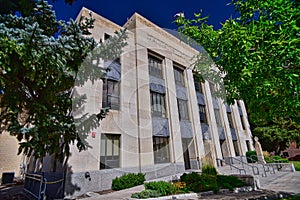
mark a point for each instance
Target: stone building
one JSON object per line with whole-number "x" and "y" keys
{"x": 162, "y": 121}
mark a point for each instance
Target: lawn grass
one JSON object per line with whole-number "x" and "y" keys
{"x": 296, "y": 165}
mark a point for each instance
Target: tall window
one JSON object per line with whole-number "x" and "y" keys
{"x": 202, "y": 113}
{"x": 243, "y": 123}
{"x": 236, "y": 147}
{"x": 158, "y": 107}
{"x": 218, "y": 117}
{"x": 230, "y": 119}
{"x": 183, "y": 109}
{"x": 198, "y": 86}
{"x": 178, "y": 75}
{"x": 111, "y": 94}
{"x": 110, "y": 151}
{"x": 161, "y": 149}
{"x": 241, "y": 115}
{"x": 155, "y": 66}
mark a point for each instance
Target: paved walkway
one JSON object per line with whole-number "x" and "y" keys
{"x": 281, "y": 181}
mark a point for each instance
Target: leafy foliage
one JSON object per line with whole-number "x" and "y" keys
{"x": 251, "y": 156}
{"x": 128, "y": 181}
{"x": 145, "y": 194}
{"x": 209, "y": 170}
{"x": 40, "y": 59}
{"x": 206, "y": 182}
{"x": 229, "y": 182}
{"x": 164, "y": 188}
{"x": 258, "y": 53}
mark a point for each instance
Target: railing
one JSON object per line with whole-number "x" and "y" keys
{"x": 232, "y": 166}
{"x": 243, "y": 164}
{"x": 38, "y": 186}
{"x": 266, "y": 167}
{"x": 35, "y": 185}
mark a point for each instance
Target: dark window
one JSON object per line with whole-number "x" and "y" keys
{"x": 155, "y": 66}
{"x": 243, "y": 123}
{"x": 161, "y": 150}
{"x": 111, "y": 94}
{"x": 178, "y": 75}
{"x": 218, "y": 117}
{"x": 110, "y": 151}
{"x": 230, "y": 119}
{"x": 202, "y": 113}
{"x": 198, "y": 86}
{"x": 183, "y": 109}
{"x": 158, "y": 107}
{"x": 241, "y": 115}
{"x": 236, "y": 147}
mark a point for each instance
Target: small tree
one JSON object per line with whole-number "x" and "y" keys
{"x": 40, "y": 58}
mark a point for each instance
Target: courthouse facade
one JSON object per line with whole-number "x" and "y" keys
{"x": 162, "y": 121}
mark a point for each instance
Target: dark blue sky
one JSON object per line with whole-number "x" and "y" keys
{"x": 161, "y": 12}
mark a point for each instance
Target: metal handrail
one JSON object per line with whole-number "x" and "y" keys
{"x": 265, "y": 166}
{"x": 243, "y": 164}
{"x": 231, "y": 165}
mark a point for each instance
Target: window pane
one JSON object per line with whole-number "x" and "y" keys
{"x": 111, "y": 95}
{"x": 103, "y": 146}
{"x": 155, "y": 66}
{"x": 109, "y": 147}
{"x": 116, "y": 147}
{"x": 161, "y": 149}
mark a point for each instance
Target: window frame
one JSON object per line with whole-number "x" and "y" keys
{"x": 230, "y": 120}
{"x": 108, "y": 96}
{"x": 178, "y": 73}
{"x": 202, "y": 110}
{"x": 161, "y": 150}
{"x": 112, "y": 157}
{"x": 198, "y": 86}
{"x": 158, "y": 104}
{"x": 183, "y": 104}
{"x": 155, "y": 66}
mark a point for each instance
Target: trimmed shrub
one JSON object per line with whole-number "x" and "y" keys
{"x": 251, "y": 155}
{"x": 229, "y": 182}
{"x": 206, "y": 183}
{"x": 145, "y": 194}
{"x": 280, "y": 159}
{"x": 190, "y": 178}
{"x": 164, "y": 188}
{"x": 209, "y": 170}
{"x": 128, "y": 181}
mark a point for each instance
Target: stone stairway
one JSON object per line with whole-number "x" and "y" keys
{"x": 266, "y": 176}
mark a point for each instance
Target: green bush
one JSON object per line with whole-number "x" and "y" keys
{"x": 229, "y": 182}
{"x": 190, "y": 178}
{"x": 128, "y": 181}
{"x": 146, "y": 194}
{"x": 164, "y": 188}
{"x": 209, "y": 170}
{"x": 296, "y": 165}
{"x": 206, "y": 183}
{"x": 251, "y": 155}
{"x": 279, "y": 159}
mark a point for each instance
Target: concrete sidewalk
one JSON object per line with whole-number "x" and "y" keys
{"x": 279, "y": 182}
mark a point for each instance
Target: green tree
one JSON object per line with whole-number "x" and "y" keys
{"x": 258, "y": 52}
{"x": 40, "y": 58}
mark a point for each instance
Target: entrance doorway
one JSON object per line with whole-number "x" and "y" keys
{"x": 186, "y": 155}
